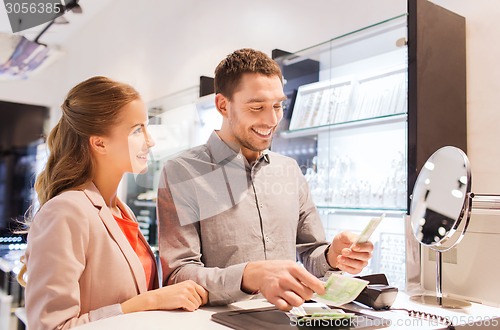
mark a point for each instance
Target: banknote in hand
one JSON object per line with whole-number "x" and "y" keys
{"x": 341, "y": 290}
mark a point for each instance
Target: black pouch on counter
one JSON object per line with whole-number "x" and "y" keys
{"x": 270, "y": 318}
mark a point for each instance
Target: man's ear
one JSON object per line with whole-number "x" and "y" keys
{"x": 97, "y": 144}
{"x": 221, "y": 104}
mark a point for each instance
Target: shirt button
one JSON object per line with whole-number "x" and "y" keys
{"x": 261, "y": 205}
{"x": 239, "y": 156}
{"x": 267, "y": 239}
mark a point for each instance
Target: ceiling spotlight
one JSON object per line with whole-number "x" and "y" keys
{"x": 74, "y": 6}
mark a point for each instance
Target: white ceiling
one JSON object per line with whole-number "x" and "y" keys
{"x": 57, "y": 34}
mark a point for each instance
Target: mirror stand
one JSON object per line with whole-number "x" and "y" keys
{"x": 479, "y": 204}
{"x": 441, "y": 206}
{"x": 482, "y": 203}
{"x": 438, "y": 299}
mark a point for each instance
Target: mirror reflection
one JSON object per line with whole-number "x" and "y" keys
{"x": 440, "y": 196}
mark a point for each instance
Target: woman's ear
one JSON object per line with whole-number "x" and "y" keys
{"x": 97, "y": 144}
{"x": 221, "y": 104}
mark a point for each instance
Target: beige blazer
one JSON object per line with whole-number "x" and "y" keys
{"x": 80, "y": 266}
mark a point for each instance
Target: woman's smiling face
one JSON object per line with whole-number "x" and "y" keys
{"x": 128, "y": 142}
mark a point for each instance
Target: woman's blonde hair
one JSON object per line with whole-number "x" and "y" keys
{"x": 91, "y": 108}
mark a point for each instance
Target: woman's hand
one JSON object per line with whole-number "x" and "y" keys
{"x": 185, "y": 295}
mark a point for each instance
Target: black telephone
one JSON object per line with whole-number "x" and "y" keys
{"x": 378, "y": 294}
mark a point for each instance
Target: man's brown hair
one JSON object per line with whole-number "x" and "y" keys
{"x": 230, "y": 70}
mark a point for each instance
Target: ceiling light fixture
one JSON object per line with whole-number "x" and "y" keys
{"x": 71, "y": 5}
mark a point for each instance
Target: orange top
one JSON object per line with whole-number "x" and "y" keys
{"x": 131, "y": 230}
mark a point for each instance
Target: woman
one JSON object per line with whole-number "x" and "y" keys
{"x": 86, "y": 258}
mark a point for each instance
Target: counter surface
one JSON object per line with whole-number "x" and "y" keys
{"x": 152, "y": 320}
{"x": 201, "y": 319}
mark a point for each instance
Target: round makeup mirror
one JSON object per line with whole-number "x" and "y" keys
{"x": 440, "y": 210}
{"x": 440, "y": 205}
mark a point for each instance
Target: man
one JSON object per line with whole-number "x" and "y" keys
{"x": 234, "y": 216}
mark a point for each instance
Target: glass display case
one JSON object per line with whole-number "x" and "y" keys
{"x": 358, "y": 125}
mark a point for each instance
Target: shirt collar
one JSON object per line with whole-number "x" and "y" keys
{"x": 265, "y": 155}
{"x": 219, "y": 149}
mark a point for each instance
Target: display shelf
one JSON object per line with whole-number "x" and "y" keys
{"x": 144, "y": 203}
{"x": 324, "y": 209}
{"x": 361, "y": 210}
{"x": 366, "y": 122}
{"x": 349, "y": 99}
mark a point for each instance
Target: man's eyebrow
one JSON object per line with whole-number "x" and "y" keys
{"x": 254, "y": 100}
{"x": 257, "y": 100}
